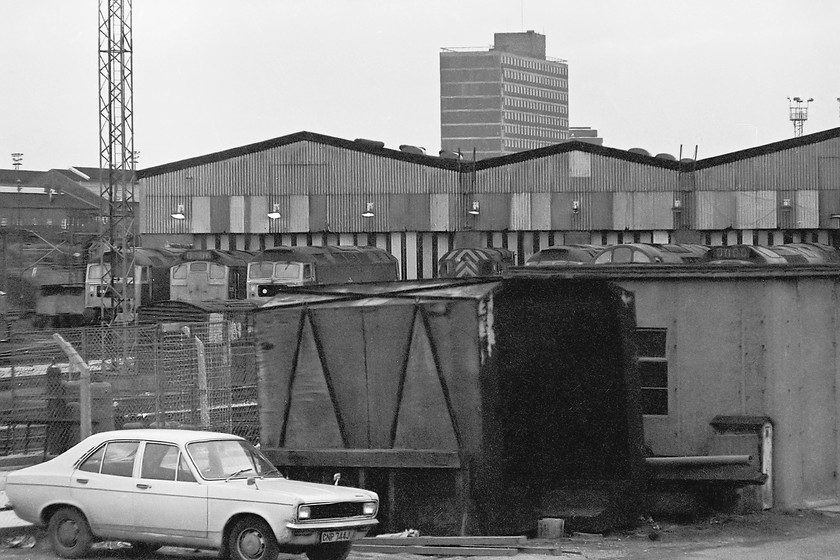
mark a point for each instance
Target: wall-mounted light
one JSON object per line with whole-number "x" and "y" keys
{"x": 575, "y": 206}
{"x": 368, "y": 213}
{"x": 475, "y": 208}
{"x": 275, "y": 212}
{"x": 677, "y": 204}
{"x": 786, "y": 203}
{"x": 178, "y": 214}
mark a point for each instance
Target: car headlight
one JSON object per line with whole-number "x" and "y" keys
{"x": 369, "y": 508}
{"x": 304, "y": 512}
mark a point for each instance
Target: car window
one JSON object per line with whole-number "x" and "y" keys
{"x": 119, "y": 458}
{"x": 162, "y": 461}
{"x": 184, "y": 472}
{"x": 94, "y": 462}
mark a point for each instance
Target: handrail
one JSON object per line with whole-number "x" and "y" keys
{"x": 696, "y": 460}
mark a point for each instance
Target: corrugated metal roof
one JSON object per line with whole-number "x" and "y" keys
{"x": 365, "y": 147}
{"x": 382, "y": 293}
{"x": 12, "y": 176}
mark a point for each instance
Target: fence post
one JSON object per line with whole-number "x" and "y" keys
{"x": 85, "y": 426}
{"x": 203, "y": 401}
{"x": 158, "y": 382}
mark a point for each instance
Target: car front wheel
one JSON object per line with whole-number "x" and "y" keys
{"x": 252, "y": 539}
{"x": 333, "y": 551}
{"x": 69, "y": 533}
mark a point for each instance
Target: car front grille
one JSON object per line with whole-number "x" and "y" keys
{"x": 337, "y": 510}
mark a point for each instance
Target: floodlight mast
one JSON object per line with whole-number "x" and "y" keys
{"x": 799, "y": 113}
{"x": 116, "y": 161}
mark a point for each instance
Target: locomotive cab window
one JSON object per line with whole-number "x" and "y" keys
{"x": 653, "y": 370}
{"x": 217, "y": 272}
{"x": 260, "y": 270}
{"x": 287, "y": 271}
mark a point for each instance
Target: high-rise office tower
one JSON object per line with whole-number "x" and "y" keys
{"x": 506, "y": 99}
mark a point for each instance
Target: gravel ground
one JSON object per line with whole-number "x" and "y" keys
{"x": 719, "y": 536}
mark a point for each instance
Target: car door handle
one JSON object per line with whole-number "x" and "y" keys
{"x": 143, "y": 486}
{"x": 82, "y": 480}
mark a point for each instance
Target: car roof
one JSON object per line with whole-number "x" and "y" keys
{"x": 160, "y": 434}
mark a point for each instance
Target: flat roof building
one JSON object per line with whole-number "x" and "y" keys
{"x": 507, "y": 99}
{"x": 585, "y": 134}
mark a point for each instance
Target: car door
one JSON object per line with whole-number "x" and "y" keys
{"x": 168, "y": 499}
{"x": 103, "y": 486}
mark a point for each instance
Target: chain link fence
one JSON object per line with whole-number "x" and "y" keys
{"x": 178, "y": 375}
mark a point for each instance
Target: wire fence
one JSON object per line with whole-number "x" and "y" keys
{"x": 178, "y": 375}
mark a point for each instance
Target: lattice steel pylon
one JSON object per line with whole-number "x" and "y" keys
{"x": 117, "y": 161}
{"x": 799, "y": 114}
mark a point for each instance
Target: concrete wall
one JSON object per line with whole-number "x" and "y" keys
{"x": 757, "y": 346}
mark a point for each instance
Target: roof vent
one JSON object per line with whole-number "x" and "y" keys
{"x": 412, "y": 149}
{"x": 669, "y": 157}
{"x": 370, "y": 143}
{"x": 449, "y": 154}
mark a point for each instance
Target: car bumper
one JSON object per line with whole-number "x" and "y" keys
{"x": 310, "y": 533}
{"x": 357, "y": 525}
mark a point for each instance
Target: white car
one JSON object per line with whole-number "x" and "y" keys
{"x": 186, "y": 488}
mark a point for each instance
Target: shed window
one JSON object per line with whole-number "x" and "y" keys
{"x": 653, "y": 370}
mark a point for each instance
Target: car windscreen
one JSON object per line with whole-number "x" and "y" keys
{"x": 230, "y": 458}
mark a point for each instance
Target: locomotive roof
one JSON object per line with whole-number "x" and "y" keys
{"x": 325, "y": 253}
{"x": 150, "y": 256}
{"x": 227, "y": 258}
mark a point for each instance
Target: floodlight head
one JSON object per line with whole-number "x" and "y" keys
{"x": 178, "y": 214}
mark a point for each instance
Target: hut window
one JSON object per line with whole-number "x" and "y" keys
{"x": 653, "y": 370}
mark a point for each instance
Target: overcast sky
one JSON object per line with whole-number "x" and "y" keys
{"x": 216, "y": 74}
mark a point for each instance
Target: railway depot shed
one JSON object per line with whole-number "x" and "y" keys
{"x": 311, "y": 189}
{"x": 748, "y": 342}
{"x": 471, "y": 407}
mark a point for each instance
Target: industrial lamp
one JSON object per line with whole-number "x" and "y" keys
{"x": 368, "y": 213}
{"x": 275, "y": 212}
{"x": 575, "y": 207}
{"x": 475, "y": 209}
{"x": 178, "y": 214}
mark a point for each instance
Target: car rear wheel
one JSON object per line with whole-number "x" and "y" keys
{"x": 333, "y": 551}
{"x": 69, "y": 533}
{"x": 252, "y": 539}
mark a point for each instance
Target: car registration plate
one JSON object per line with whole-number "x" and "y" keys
{"x": 336, "y": 536}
